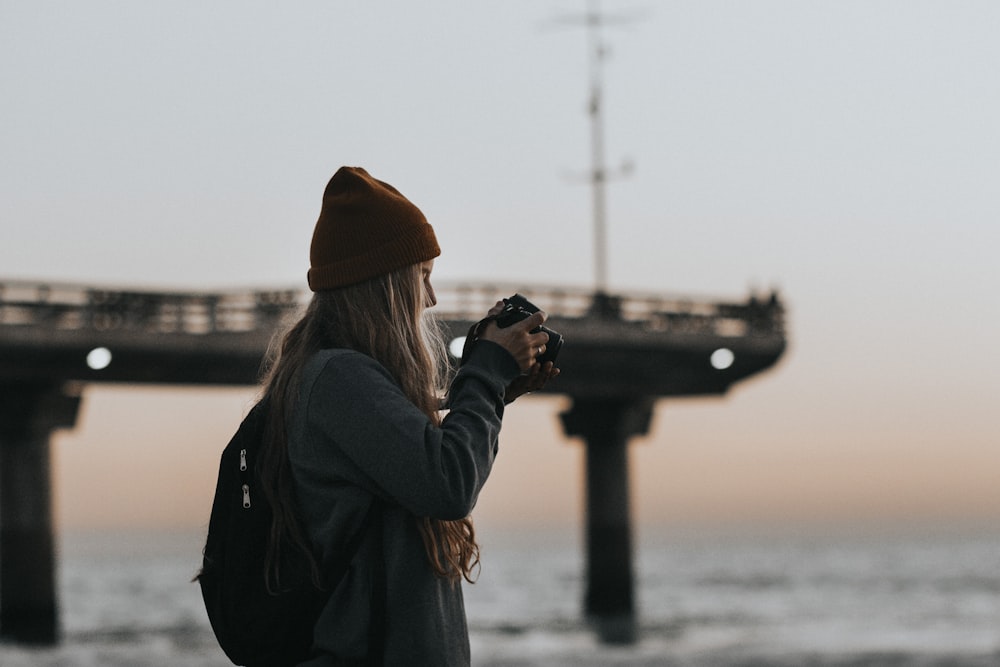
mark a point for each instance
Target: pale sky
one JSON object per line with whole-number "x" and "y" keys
{"x": 845, "y": 152}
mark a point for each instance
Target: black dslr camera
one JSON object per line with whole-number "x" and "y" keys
{"x": 515, "y": 309}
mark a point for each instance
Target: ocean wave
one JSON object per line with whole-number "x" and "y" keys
{"x": 739, "y": 604}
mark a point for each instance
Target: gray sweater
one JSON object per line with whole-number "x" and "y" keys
{"x": 354, "y": 435}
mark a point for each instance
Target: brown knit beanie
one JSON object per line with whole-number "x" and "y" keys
{"x": 366, "y": 228}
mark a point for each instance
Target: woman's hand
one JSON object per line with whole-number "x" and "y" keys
{"x": 517, "y": 339}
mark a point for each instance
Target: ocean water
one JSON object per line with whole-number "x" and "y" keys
{"x": 914, "y": 598}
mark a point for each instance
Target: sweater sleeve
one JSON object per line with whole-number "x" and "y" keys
{"x": 356, "y": 407}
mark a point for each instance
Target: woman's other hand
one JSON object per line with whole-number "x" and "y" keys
{"x": 536, "y": 378}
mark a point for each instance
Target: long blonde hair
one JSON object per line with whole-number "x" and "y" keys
{"x": 384, "y": 318}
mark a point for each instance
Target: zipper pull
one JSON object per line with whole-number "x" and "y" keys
{"x": 243, "y": 460}
{"x": 246, "y": 496}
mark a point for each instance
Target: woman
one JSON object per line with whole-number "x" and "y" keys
{"x": 355, "y": 423}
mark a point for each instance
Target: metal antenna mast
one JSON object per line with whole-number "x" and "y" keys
{"x": 599, "y": 175}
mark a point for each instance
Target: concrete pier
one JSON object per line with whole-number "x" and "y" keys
{"x": 28, "y": 415}
{"x": 622, "y": 353}
{"x": 607, "y": 425}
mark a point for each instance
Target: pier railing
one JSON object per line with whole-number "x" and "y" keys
{"x": 658, "y": 312}
{"x": 74, "y": 307}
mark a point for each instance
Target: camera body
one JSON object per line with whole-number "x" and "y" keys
{"x": 517, "y": 308}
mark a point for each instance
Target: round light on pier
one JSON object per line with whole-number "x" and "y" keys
{"x": 99, "y": 358}
{"x": 456, "y": 346}
{"x": 722, "y": 358}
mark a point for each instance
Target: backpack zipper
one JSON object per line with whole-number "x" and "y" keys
{"x": 246, "y": 486}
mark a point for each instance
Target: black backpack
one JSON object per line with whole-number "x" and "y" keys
{"x": 254, "y": 626}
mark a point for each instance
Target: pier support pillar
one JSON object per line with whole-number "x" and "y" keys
{"x": 606, "y": 425}
{"x": 28, "y": 415}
